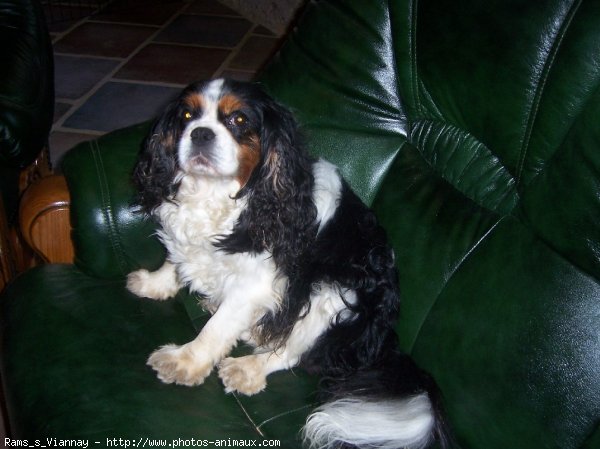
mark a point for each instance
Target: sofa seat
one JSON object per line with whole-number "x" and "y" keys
{"x": 75, "y": 349}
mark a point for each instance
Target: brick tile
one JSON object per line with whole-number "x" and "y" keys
{"x": 117, "y": 105}
{"x": 77, "y": 75}
{"x": 173, "y": 64}
{"x": 104, "y": 39}
{"x": 208, "y": 31}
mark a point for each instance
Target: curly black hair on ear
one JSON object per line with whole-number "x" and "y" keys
{"x": 280, "y": 216}
{"x": 155, "y": 170}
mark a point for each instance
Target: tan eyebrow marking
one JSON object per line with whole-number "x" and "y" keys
{"x": 194, "y": 101}
{"x": 230, "y": 103}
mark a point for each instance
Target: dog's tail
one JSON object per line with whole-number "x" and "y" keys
{"x": 391, "y": 405}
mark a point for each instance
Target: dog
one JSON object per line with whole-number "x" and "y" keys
{"x": 287, "y": 259}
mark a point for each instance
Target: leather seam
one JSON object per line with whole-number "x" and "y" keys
{"x": 397, "y": 100}
{"x": 413, "y": 57}
{"x": 113, "y": 233}
{"x": 539, "y": 91}
{"x": 551, "y": 160}
{"x": 459, "y": 264}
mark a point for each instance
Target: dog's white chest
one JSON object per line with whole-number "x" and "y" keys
{"x": 191, "y": 225}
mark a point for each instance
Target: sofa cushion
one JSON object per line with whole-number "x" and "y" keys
{"x": 75, "y": 348}
{"x": 338, "y": 72}
{"x": 507, "y": 326}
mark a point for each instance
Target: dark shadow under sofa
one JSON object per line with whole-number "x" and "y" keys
{"x": 472, "y": 128}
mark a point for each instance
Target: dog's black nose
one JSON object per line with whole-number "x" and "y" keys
{"x": 202, "y": 135}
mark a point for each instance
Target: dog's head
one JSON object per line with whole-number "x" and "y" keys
{"x": 219, "y": 129}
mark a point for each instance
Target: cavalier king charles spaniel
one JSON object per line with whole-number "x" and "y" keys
{"x": 287, "y": 259}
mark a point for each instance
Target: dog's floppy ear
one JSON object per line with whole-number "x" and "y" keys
{"x": 157, "y": 164}
{"x": 284, "y": 215}
{"x": 286, "y": 166}
{"x": 280, "y": 215}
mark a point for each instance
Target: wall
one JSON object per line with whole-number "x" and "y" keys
{"x": 272, "y": 14}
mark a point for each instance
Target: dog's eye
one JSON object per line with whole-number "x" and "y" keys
{"x": 239, "y": 119}
{"x": 187, "y": 115}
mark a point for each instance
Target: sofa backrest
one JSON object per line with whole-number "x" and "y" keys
{"x": 473, "y": 129}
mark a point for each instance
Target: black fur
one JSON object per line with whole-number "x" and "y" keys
{"x": 352, "y": 251}
{"x": 280, "y": 216}
{"x": 359, "y": 356}
{"x": 157, "y": 164}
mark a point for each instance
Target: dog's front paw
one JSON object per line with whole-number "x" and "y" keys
{"x": 243, "y": 374}
{"x": 179, "y": 365}
{"x": 153, "y": 285}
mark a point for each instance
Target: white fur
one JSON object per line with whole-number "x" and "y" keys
{"x": 160, "y": 284}
{"x": 240, "y": 287}
{"x": 388, "y": 424}
{"x": 224, "y": 155}
{"x": 248, "y": 374}
{"x": 203, "y": 210}
{"x": 327, "y": 190}
{"x": 213, "y": 90}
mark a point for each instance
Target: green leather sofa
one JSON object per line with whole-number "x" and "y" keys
{"x": 26, "y": 92}
{"x": 26, "y": 113}
{"x": 473, "y": 130}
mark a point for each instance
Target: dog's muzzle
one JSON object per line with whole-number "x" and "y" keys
{"x": 203, "y": 140}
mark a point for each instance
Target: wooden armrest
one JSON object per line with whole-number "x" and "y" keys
{"x": 8, "y": 268}
{"x": 44, "y": 219}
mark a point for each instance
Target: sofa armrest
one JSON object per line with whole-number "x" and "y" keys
{"x": 111, "y": 238}
{"x": 87, "y": 216}
{"x": 26, "y": 110}
{"x": 44, "y": 219}
{"x": 7, "y": 263}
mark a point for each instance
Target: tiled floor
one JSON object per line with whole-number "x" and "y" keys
{"x": 121, "y": 65}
